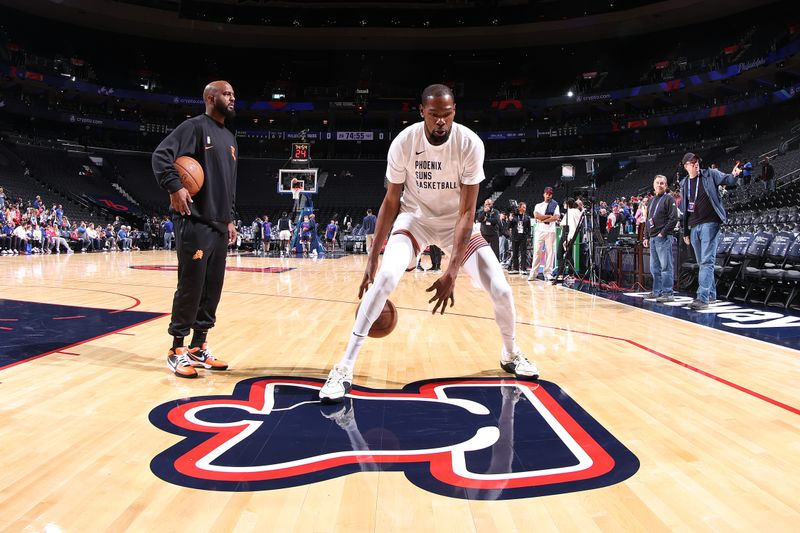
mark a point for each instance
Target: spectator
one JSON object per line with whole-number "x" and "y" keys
{"x": 547, "y": 214}
{"x": 768, "y": 175}
{"x": 94, "y": 236}
{"x": 6, "y": 237}
{"x": 36, "y": 238}
{"x": 123, "y": 239}
{"x": 661, "y": 220}
{"x": 20, "y": 240}
{"x": 368, "y": 225}
{"x": 747, "y": 172}
{"x": 702, "y": 217}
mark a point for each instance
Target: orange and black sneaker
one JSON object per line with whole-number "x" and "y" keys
{"x": 178, "y": 361}
{"x": 202, "y": 356}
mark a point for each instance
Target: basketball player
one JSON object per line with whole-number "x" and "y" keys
{"x": 203, "y": 225}
{"x": 284, "y": 233}
{"x": 266, "y": 235}
{"x": 331, "y": 232}
{"x": 437, "y": 165}
{"x": 305, "y": 234}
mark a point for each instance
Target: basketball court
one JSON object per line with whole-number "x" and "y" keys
{"x": 640, "y": 422}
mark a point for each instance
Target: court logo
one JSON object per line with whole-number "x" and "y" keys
{"x": 485, "y": 439}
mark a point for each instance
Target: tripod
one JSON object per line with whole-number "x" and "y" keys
{"x": 590, "y": 274}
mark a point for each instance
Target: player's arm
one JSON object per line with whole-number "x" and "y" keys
{"x": 445, "y": 285}
{"x": 386, "y": 217}
{"x": 181, "y": 141}
{"x": 231, "y": 227}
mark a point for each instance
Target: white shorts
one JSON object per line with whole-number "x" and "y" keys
{"x": 424, "y": 232}
{"x": 285, "y": 235}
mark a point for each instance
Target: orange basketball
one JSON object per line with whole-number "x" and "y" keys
{"x": 386, "y": 321}
{"x": 191, "y": 174}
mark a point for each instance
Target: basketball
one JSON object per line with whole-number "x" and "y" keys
{"x": 386, "y": 321}
{"x": 191, "y": 173}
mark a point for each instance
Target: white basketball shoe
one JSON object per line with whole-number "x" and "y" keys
{"x": 516, "y": 363}
{"x": 339, "y": 383}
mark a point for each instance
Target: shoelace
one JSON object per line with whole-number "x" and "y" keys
{"x": 337, "y": 375}
{"x": 204, "y": 355}
{"x": 183, "y": 360}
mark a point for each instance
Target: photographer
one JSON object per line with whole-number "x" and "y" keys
{"x": 520, "y": 224}
{"x": 489, "y": 219}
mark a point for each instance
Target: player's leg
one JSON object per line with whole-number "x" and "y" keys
{"x": 215, "y": 246}
{"x": 483, "y": 267}
{"x": 191, "y": 285}
{"x": 397, "y": 256}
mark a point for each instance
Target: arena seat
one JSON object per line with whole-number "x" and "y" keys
{"x": 754, "y": 255}
{"x": 754, "y": 275}
{"x": 730, "y": 269}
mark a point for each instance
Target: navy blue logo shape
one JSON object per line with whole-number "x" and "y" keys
{"x": 483, "y": 439}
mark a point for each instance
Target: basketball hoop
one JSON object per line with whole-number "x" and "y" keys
{"x": 297, "y": 186}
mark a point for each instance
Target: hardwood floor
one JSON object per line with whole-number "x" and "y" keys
{"x": 711, "y": 417}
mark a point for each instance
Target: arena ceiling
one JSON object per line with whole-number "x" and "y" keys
{"x": 368, "y": 25}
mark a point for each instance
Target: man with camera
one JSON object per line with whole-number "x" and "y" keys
{"x": 489, "y": 219}
{"x": 520, "y": 224}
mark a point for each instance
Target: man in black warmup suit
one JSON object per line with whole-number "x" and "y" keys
{"x": 203, "y": 225}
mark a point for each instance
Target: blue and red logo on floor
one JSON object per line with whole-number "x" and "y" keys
{"x": 482, "y": 439}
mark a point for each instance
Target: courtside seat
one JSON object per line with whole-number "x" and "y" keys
{"x": 784, "y": 279}
{"x": 723, "y": 251}
{"x": 730, "y": 267}
{"x": 756, "y": 275}
{"x": 753, "y": 256}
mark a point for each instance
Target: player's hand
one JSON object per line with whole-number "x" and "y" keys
{"x": 444, "y": 287}
{"x": 736, "y": 169}
{"x": 231, "y": 233}
{"x": 646, "y": 243}
{"x": 686, "y": 240}
{"x": 369, "y": 277}
{"x": 180, "y": 200}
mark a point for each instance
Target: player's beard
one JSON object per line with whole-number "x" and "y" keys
{"x": 436, "y": 140}
{"x": 222, "y": 108}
